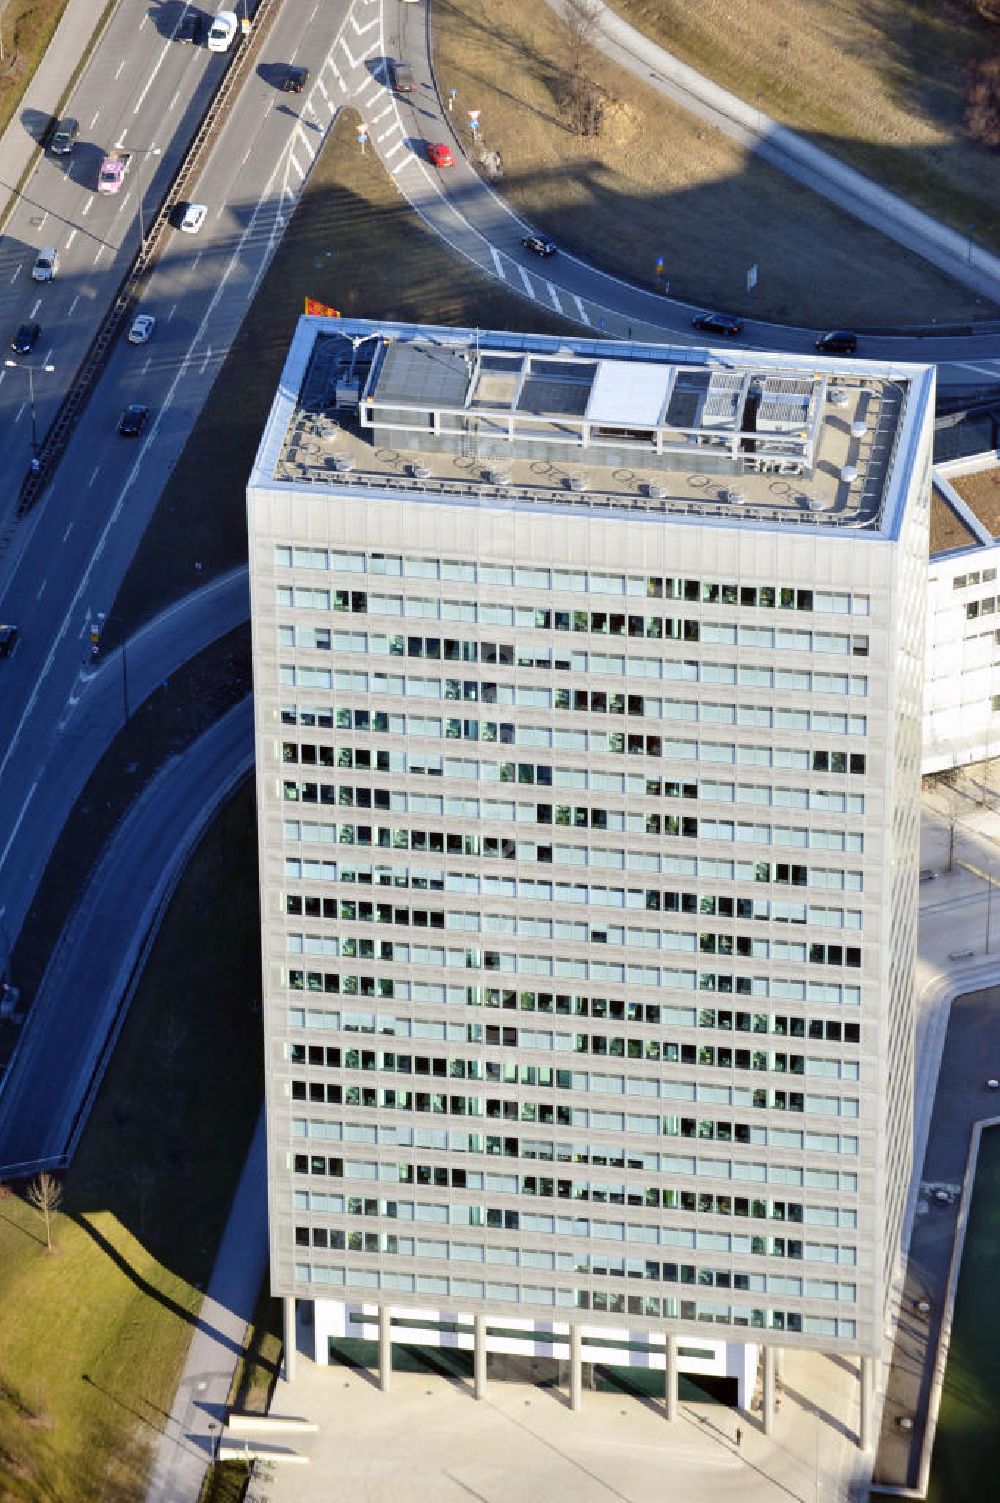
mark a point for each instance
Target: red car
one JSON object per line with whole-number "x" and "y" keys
{"x": 441, "y": 155}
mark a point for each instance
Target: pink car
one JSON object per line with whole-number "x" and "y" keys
{"x": 113, "y": 170}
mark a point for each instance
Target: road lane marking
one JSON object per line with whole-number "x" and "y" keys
{"x": 95, "y": 120}
{"x": 293, "y": 162}
{"x": 171, "y": 313}
{"x": 362, "y": 30}
{"x": 403, "y": 162}
{"x": 17, "y": 822}
{"x": 382, "y": 114}
{"x": 529, "y": 289}
{"x": 97, "y": 471}
{"x": 48, "y": 357}
{"x": 982, "y": 370}
{"x": 497, "y": 263}
{"x": 194, "y": 263}
{"x": 43, "y": 219}
{"x": 73, "y": 305}
{"x": 100, "y": 253}
{"x": 393, "y": 149}
{"x": 557, "y": 305}
{"x": 89, "y": 204}
{"x": 173, "y": 103}
{"x": 69, "y": 239}
{"x": 208, "y": 356}
{"x": 38, "y": 304}
{"x": 17, "y": 273}
{"x": 152, "y": 76}
{"x": 41, "y": 589}
{"x": 581, "y": 310}
{"x": 393, "y": 128}
{"x": 120, "y": 67}
{"x": 353, "y": 61}
{"x": 20, "y": 412}
{"x": 66, "y": 534}
{"x": 149, "y": 361}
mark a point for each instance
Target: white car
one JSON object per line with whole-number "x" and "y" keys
{"x": 223, "y": 31}
{"x": 193, "y": 218}
{"x": 142, "y": 326}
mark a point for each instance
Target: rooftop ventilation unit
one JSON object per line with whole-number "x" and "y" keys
{"x": 420, "y": 472}
{"x": 735, "y": 498}
{"x": 655, "y": 492}
{"x": 577, "y": 483}
{"x": 347, "y": 394}
{"x": 837, "y": 396}
{"x": 500, "y": 477}
{"x": 849, "y": 473}
{"x": 859, "y": 428}
{"x": 343, "y": 465}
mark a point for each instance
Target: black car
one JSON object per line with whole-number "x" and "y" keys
{"x": 8, "y": 640}
{"x": 64, "y": 137}
{"x": 294, "y": 80}
{"x": 538, "y": 244}
{"x": 25, "y": 339}
{"x": 718, "y": 323}
{"x": 190, "y": 28}
{"x": 401, "y": 78}
{"x": 133, "y": 420}
{"x": 837, "y": 342}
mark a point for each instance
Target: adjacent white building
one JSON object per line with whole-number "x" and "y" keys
{"x": 588, "y": 712}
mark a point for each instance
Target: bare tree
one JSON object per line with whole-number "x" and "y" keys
{"x": 45, "y": 1193}
{"x": 582, "y": 97}
{"x": 982, "y": 101}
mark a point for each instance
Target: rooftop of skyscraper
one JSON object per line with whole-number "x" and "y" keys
{"x": 742, "y": 436}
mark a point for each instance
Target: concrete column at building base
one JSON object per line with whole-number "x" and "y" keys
{"x": 670, "y": 1379}
{"x": 868, "y": 1374}
{"x": 384, "y": 1348}
{"x": 770, "y": 1386}
{"x": 575, "y": 1368}
{"x": 288, "y": 1354}
{"x": 479, "y": 1358}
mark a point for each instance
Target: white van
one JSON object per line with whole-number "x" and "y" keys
{"x": 46, "y": 264}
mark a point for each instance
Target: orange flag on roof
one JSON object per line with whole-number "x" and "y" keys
{"x": 320, "y": 310}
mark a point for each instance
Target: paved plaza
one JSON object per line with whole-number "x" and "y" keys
{"x": 429, "y": 1439}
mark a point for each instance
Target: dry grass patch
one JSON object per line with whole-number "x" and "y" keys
{"x": 661, "y": 183}
{"x": 946, "y": 530}
{"x": 878, "y": 82}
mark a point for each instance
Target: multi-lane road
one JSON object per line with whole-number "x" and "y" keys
{"x": 144, "y": 89}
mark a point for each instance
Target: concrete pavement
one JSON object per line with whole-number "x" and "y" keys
{"x": 188, "y": 1440}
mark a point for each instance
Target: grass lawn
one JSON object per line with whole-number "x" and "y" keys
{"x": 328, "y": 252}
{"x": 659, "y": 182}
{"x": 94, "y": 1335}
{"x": 26, "y": 27}
{"x": 982, "y": 493}
{"x": 879, "y": 85}
{"x": 967, "y": 1446}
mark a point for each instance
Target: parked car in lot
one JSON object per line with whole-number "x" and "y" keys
{"x": 8, "y": 640}
{"x": 25, "y": 339}
{"x": 64, "y": 137}
{"x": 440, "y": 155}
{"x": 718, "y": 323}
{"x": 294, "y": 80}
{"x": 539, "y": 245}
{"x": 837, "y": 342}
{"x": 222, "y": 31}
{"x": 401, "y": 78}
{"x": 46, "y": 264}
{"x": 193, "y": 218}
{"x": 113, "y": 170}
{"x": 142, "y": 327}
{"x": 133, "y": 420}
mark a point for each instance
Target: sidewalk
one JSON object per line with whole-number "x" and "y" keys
{"x": 797, "y": 157}
{"x": 188, "y": 1441}
{"x": 68, "y": 50}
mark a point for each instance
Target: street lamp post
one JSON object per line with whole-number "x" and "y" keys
{"x": 17, "y": 365}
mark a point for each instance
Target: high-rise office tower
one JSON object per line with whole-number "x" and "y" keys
{"x": 588, "y": 711}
